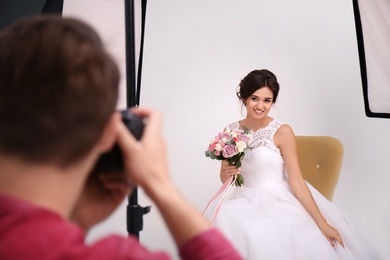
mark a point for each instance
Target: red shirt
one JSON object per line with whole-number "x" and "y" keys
{"x": 31, "y": 232}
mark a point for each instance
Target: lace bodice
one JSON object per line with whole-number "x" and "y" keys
{"x": 263, "y": 166}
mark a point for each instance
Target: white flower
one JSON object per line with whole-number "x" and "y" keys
{"x": 234, "y": 134}
{"x": 218, "y": 147}
{"x": 241, "y": 146}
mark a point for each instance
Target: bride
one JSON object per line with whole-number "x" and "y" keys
{"x": 276, "y": 214}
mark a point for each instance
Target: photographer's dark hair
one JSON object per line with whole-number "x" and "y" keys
{"x": 255, "y": 80}
{"x": 58, "y": 89}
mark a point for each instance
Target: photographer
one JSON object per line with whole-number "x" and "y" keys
{"x": 58, "y": 92}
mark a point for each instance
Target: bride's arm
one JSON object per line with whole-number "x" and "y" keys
{"x": 285, "y": 140}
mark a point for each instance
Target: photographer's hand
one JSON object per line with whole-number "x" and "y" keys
{"x": 101, "y": 196}
{"x": 146, "y": 164}
{"x": 145, "y": 161}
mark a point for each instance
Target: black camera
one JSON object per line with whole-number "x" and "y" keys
{"x": 112, "y": 160}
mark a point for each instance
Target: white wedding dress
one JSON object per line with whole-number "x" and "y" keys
{"x": 264, "y": 220}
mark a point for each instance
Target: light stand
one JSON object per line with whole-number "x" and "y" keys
{"x": 134, "y": 211}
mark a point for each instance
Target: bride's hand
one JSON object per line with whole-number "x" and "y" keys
{"x": 228, "y": 170}
{"x": 331, "y": 234}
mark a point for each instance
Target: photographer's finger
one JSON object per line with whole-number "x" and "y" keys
{"x": 142, "y": 112}
{"x": 124, "y": 187}
{"x": 114, "y": 177}
{"x": 152, "y": 117}
{"x": 125, "y": 139}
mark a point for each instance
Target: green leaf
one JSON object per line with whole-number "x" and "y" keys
{"x": 246, "y": 130}
{"x": 239, "y": 180}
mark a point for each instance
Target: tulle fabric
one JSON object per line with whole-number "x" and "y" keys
{"x": 271, "y": 223}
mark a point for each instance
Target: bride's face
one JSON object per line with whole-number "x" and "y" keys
{"x": 259, "y": 103}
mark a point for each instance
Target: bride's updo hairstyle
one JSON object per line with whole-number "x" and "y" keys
{"x": 255, "y": 80}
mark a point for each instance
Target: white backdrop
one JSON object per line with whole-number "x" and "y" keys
{"x": 196, "y": 52}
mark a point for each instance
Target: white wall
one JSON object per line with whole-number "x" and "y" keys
{"x": 196, "y": 52}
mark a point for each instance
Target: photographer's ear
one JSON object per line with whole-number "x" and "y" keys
{"x": 110, "y": 133}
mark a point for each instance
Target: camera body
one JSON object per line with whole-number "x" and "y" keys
{"x": 112, "y": 160}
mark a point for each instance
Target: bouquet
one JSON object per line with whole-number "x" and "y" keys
{"x": 231, "y": 147}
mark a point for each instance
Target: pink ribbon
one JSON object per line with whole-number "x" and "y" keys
{"x": 224, "y": 189}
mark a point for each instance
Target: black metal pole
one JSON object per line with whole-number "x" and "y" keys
{"x": 130, "y": 54}
{"x": 134, "y": 211}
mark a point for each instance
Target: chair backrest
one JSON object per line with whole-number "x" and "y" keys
{"x": 320, "y": 159}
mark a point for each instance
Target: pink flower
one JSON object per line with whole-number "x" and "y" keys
{"x": 223, "y": 136}
{"x": 245, "y": 138}
{"x": 229, "y": 151}
{"x": 211, "y": 147}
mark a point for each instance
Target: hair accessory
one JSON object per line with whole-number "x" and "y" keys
{"x": 265, "y": 83}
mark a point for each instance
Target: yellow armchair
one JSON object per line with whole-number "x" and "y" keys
{"x": 320, "y": 159}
